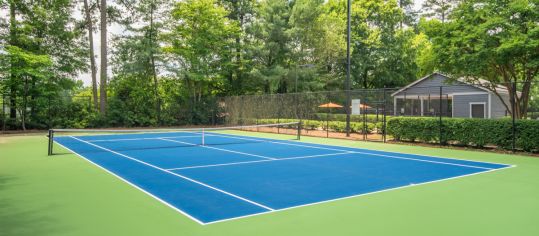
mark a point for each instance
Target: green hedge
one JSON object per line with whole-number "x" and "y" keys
{"x": 371, "y": 118}
{"x": 338, "y": 126}
{"x": 465, "y": 131}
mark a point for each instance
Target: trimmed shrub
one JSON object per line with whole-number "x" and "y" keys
{"x": 370, "y": 118}
{"x": 337, "y": 126}
{"x": 467, "y": 131}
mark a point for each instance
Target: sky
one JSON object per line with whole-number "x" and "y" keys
{"x": 117, "y": 30}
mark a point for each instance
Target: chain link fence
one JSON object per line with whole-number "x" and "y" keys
{"x": 44, "y": 112}
{"x": 462, "y": 114}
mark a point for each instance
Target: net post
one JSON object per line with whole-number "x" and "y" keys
{"x": 299, "y": 130}
{"x": 51, "y": 142}
{"x": 203, "y": 137}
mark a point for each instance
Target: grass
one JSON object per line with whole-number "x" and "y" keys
{"x": 65, "y": 195}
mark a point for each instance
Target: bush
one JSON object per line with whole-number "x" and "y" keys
{"x": 337, "y": 126}
{"x": 370, "y": 118}
{"x": 466, "y": 131}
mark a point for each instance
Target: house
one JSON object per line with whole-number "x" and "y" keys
{"x": 438, "y": 94}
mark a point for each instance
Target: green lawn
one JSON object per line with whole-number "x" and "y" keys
{"x": 65, "y": 195}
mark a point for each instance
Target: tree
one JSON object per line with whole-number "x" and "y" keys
{"x": 438, "y": 9}
{"x": 137, "y": 53}
{"x": 330, "y": 46}
{"x": 243, "y": 13}
{"x": 493, "y": 41}
{"x": 41, "y": 28}
{"x": 93, "y": 68}
{"x": 199, "y": 43}
{"x": 410, "y": 15}
{"x": 29, "y": 68}
{"x": 270, "y": 45}
{"x": 104, "y": 58}
{"x": 382, "y": 52}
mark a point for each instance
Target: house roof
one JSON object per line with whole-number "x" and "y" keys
{"x": 482, "y": 84}
{"x": 417, "y": 81}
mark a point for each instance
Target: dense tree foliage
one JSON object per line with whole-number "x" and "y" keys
{"x": 493, "y": 43}
{"x": 168, "y": 59}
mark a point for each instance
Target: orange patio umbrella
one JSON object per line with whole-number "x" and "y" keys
{"x": 363, "y": 106}
{"x": 330, "y": 105}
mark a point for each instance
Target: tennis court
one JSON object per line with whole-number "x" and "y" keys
{"x": 214, "y": 175}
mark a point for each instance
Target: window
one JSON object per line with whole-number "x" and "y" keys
{"x": 477, "y": 110}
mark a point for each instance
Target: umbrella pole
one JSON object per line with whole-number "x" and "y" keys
{"x": 327, "y": 123}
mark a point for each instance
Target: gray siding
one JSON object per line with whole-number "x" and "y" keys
{"x": 498, "y": 109}
{"x": 461, "y": 104}
{"x": 432, "y": 85}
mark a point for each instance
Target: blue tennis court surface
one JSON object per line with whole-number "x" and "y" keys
{"x": 235, "y": 176}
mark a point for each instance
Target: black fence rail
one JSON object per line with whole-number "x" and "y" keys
{"x": 44, "y": 112}
{"x": 462, "y": 114}
{"x": 504, "y": 116}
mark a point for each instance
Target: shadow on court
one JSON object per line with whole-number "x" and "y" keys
{"x": 20, "y": 219}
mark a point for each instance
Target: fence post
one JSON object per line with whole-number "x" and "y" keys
{"x": 364, "y": 132}
{"x": 49, "y": 113}
{"x": 279, "y": 112}
{"x": 440, "y": 115}
{"x": 384, "y": 117}
{"x": 328, "y": 112}
{"x": 347, "y": 109}
{"x": 3, "y": 112}
{"x": 513, "y": 115}
{"x": 299, "y": 130}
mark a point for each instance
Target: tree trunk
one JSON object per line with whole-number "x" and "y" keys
{"x": 89, "y": 25}
{"x": 24, "y": 104}
{"x": 103, "y": 69}
{"x": 154, "y": 69}
{"x": 13, "y": 78}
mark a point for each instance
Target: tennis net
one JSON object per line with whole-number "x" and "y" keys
{"x": 98, "y": 140}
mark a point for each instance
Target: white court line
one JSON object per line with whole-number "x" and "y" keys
{"x": 247, "y": 162}
{"x": 220, "y": 149}
{"x": 133, "y": 185}
{"x": 137, "y": 139}
{"x": 178, "y": 175}
{"x": 269, "y": 141}
{"x": 366, "y": 153}
{"x": 360, "y": 195}
{"x": 414, "y": 159}
{"x": 277, "y": 210}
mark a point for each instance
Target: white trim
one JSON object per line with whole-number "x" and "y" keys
{"x": 478, "y": 103}
{"x": 421, "y": 106}
{"x": 178, "y": 175}
{"x": 489, "y": 105}
{"x": 436, "y": 96}
{"x": 395, "y": 106}
{"x": 470, "y": 93}
{"x": 452, "y": 107}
